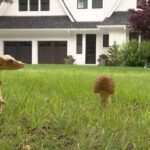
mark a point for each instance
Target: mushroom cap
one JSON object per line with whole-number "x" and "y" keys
{"x": 7, "y": 62}
{"x": 104, "y": 84}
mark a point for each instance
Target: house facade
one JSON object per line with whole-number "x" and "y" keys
{"x": 46, "y": 31}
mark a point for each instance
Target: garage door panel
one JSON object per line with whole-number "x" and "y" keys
{"x": 52, "y": 52}
{"x": 19, "y": 50}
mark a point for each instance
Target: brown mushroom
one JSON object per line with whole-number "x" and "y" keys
{"x": 7, "y": 62}
{"x": 2, "y": 102}
{"x": 105, "y": 86}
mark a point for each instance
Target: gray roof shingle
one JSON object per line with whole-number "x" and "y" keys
{"x": 43, "y": 22}
{"x": 117, "y": 18}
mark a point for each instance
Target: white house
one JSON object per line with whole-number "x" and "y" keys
{"x": 46, "y": 31}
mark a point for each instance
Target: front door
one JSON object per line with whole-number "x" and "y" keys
{"x": 90, "y": 48}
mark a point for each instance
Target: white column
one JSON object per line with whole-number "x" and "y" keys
{"x": 1, "y": 47}
{"x": 84, "y": 48}
{"x": 34, "y": 52}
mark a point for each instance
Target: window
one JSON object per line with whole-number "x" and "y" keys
{"x": 23, "y": 5}
{"x": 133, "y": 36}
{"x": 79, "y": 43}
{"x": 97, "y": 3}
{"x": 106, "y": 40}
{"x": 138, "y": 1}
{"x": 33, "y": 5}
{"x": 44, "y": 5}
{"x": 82, "y": 4}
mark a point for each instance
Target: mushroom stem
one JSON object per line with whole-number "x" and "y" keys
{"x": 105, "y": 99}
{"x": 2, "y": 102}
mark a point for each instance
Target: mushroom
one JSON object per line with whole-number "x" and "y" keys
{"x": 105, "y": 86}
{"x": 2, "y": 102}
{"x": 7, "y": 62}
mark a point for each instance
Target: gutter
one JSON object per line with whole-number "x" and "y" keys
{"x": 112, "y": 26}
{"x": 68, "y": 12}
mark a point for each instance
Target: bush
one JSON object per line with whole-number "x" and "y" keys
{"x": 144, "y": 47}
{"x": 131, "y": 54}
{"x": 114, "y": 58}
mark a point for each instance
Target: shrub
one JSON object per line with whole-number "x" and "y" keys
{"x": 131, "y": 54}
{"x": 144, "y": 47}
{"x": 114, "y": 58}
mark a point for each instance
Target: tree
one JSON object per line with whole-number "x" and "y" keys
{"x": 139, "y": 20}
{"x": 114, "y": 55}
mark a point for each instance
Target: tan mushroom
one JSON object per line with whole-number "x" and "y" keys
{"x": 7, "y": 62}
{"x": 2, "y": 102}
{"x": 105, "y": 86}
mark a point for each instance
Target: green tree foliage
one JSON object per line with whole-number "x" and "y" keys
{"x": 131, "y": 54}
{"x": 144, "y": 47}
{"x": 114, "y": 58}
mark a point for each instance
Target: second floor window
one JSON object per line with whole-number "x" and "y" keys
{"x": 44, "y": 5}
{"x": 138, "y": 1}
{"x": 82, "y": 4}
{"x": 97, "y": 3}
{"x": 23, "y": 5}
{"x": 33, "y": 5}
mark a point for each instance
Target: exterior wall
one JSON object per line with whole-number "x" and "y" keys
{"x": 12, "y": 10}
{"x": 62, "y": 35}
{"x": 119, "y": 36}
{"x": 126, "y": 5}
{"x": 89, "y": 14}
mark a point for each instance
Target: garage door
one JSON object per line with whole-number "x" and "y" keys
{"x": 19, "y": 50}
{"x": 50, "y": 52}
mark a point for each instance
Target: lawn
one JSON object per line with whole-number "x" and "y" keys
{"x": 53, "y": 107}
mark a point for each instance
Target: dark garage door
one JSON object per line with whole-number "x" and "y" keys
{"x": 19, "y": 50}
{"x": 50, "y": 52}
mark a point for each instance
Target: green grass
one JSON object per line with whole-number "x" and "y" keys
{"x": 53, "y": 107}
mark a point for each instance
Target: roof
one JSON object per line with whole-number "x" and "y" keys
{"x": 117, "y": 18}
{"x": 56, "y": 22}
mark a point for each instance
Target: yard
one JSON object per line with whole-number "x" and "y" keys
{"x": 53, "y": 107}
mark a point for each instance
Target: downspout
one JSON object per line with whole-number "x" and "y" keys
{"x": 114, "y": 8}
{"x": 68, "y": 12}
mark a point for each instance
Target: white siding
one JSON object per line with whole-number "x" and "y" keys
{"x": 126, "y": 5}
{"x": 55, "y": 9}
{"x": 64, "y": 35}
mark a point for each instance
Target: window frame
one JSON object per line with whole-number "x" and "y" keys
{"x": 30, "y": 6}
{"x": 29, "y": 9}
{"x": 106, "y": 40}
{"x": 79, "y": 43}
{"x": 93, "y": 6}
{"x": 78, "y": 1}
{"x": 46, "y": 5}
{"x": 19, "y": 5}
